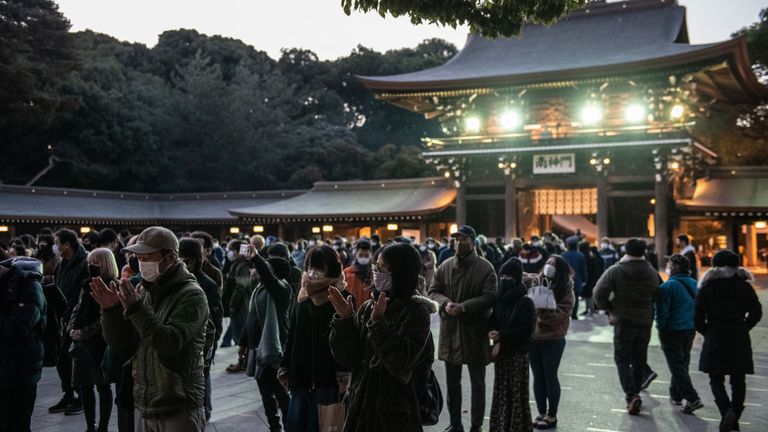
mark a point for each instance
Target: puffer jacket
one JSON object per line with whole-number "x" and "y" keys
{"x": 470, "y": 282}
{"x": 627, "y": 291}
{"x": 70, "y": 276}
{"x": 552, "y": 324}
{"x": 390, "y": 360}
{"x": 22, "y": 322}
{"x": 170, "y": 320}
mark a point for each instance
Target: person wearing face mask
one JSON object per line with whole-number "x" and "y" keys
{"x": 264, "y": 334}
{"x": 49, "y": 259}
{"x": 84, "y": 329}
{"x": 299, "y": 252}
{"x": 511, "y": 324}
{"x": 465, "y": 289}
{"x": 548, "y": 341}
{"x": 237, "y": 291}
{"x": 387, "y": 344}
{"x": 72, "y": 271}
{"x": 448, "y": 251}
{"x": 358, "y": 276}
{"x": 211, "y": 267}
{"x": 308, "y": 369}
{"x": 429, "y": 262}
{"x": 607, "y": 253}
{"x": 167, "y": 313}
{"x": 627, "y": 291}
{"x": 674, "y": 320}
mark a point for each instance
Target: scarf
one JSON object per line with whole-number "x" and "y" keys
{"x": 317, "y": 290}
{"x": 364, "y": 272}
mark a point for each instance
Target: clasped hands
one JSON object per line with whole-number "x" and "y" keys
{"x": 109, "y": 296}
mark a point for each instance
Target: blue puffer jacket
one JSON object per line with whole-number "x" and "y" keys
{"x": 22, "y": 321}
{"x": 675, "y": 303}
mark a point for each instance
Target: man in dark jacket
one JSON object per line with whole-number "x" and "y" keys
{"x": 683, "y": 242}
{"x": 674, "y": 319}
{"x": 22, "y": 321}
{"x": 578, "y": 263}
{"x": 168, "y": 311}
{"x": 465, "y": 289}
{"x": 72, "y": 272}
{"x": 627, "y": 291}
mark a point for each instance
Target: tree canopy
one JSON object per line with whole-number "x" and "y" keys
{"x": 491, "y": 18}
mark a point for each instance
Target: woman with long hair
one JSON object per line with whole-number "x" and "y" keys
{"x": 88, "y": 344}
{"x": 387, "y": 344}
{"x": 548, "y": 342}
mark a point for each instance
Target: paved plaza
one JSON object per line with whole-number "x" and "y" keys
{"x": 591, "y": 399}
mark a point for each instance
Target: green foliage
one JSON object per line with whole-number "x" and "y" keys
{"x": 757, "y": 43}
{"x": 491, "y": 18}
{"x": 199, "y": 113}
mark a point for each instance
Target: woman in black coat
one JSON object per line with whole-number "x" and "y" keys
{"x": 511, "y": 324}
{"x": 727, "y": 308}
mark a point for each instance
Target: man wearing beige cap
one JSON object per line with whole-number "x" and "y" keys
{"x": 167, "y": 313}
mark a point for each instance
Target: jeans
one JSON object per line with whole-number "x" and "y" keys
{"x": 16, "y": 405}
{"x": 630, "y": 352}
{"x": 477, "y": 380}
{"x": 207, "y": 399}
{"x": 738, "y": 393}
{"x": 302, "y": 410}
{"x": 676, "y": 345}
{"x": 237, "y": 322}
{"x": 544, "y": 357}
{"x": 273, "y": 396}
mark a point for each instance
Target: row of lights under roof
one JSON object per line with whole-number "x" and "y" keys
{"x": 591, "y": 115}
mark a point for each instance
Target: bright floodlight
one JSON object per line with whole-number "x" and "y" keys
{"x": 511, "y": 120}
{"x": 473, "y": 124}
{"x": 677, "y": 111}
{"x": 591, "y": 114}
{"x": 634, "y": 113}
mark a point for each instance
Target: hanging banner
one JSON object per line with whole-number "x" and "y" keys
{"x": 559, "y": 163}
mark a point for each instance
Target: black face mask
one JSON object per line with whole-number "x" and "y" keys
{"x": 94, "y": 270}
{"x": 133, "y": 263}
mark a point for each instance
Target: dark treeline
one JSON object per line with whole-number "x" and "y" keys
{"x": 195, "y": 112}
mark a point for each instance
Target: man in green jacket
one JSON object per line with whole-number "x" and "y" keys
{"x": 465, "y": 288}
{"x": 168, "y": 311}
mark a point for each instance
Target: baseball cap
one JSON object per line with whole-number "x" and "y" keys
{"x": 467, "y": 231}
{"x": 154, "y": 239}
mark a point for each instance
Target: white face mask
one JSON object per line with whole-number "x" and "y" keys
{"x": 56, "y": 250}
{"x": 549, "y": 271}
{"x": 231, "y": 255}
{"x": 536, "y": 243}
{"x": 314, "y": 274}
{"x": 431, "y": 245}
{"x": 335, "y": 247}
{"x": 363, "y": 261}
{"x": 605, "y": 245}
{"x": 382, "y": 281}
{"x": 423, "y": 248}
{"x": 669, "y": 270}
{"x": 150, "y": 270}
{"x": 312, "y": 243}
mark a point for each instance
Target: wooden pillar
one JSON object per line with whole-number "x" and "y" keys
{"x": 731, "y": 235}
{"x": 661, "y": 220}
{"x": 423, "y": 232}
{"x": 281, "y": 231}
{"x": 750, "y": 249}
{"x": 510, "y": 208}
{"x": 461, "y": 205}
{"x": 602, "y": 208}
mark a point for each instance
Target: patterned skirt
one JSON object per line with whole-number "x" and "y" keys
{"x": 510, "y": 410}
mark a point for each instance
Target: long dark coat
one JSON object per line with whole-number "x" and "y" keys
{"x": 726, "y": 310}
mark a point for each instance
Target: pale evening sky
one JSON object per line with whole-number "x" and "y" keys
{"x": 321, "y": 26}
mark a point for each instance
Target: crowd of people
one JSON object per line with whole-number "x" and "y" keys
{"x": 323, "y": 322}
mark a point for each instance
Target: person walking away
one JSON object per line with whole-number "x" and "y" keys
{"x": 22, "y": 322}
{"x": 674, "y": 320}
{"x": 359, "y": 276}
{"x": 628, "y": 291}
{"x": 594, "y": 270}
{"x": 387, "y": 344}
{"x": 167, "y": 312}
{"x": 308, "y": 368}
{"x": 84, "y": 329}
{"x": 465, "y": 290}
{"x": 683, "y": 242}
{"x": 578, "y": 263}
{"x": 512, "y": 322}
{"x": 727, "y": 308}
{"x": 548, "y": 341}
{"x": 73, "y": 270}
